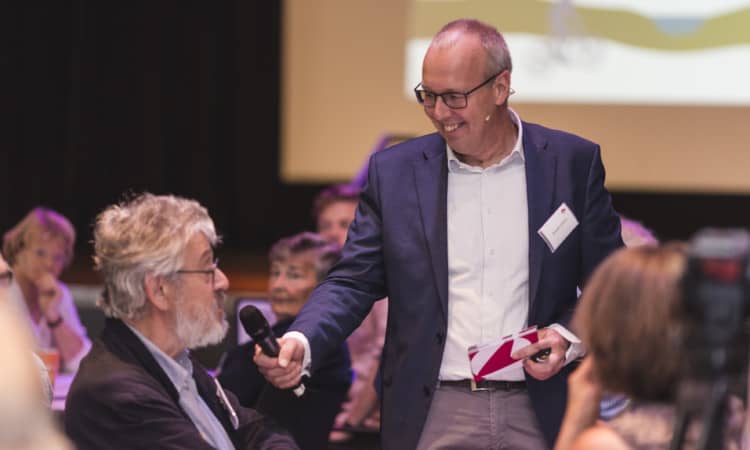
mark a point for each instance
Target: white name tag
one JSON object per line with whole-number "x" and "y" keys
{"x": 559, "y": 225}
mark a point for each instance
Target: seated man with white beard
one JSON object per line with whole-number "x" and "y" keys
{"x": 139, "y": 387}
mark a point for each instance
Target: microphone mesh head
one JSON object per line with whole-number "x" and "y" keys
{"x": 254, "y": 323}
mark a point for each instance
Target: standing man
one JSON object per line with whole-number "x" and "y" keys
{"x": 164, "y": 294}
{"x": 451, "y": 227}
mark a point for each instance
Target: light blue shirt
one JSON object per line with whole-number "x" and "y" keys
{"x": 180, "y": 372}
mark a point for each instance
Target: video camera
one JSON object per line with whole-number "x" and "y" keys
{"x": 716, "y": 293}
{"x": 716, "y": 304}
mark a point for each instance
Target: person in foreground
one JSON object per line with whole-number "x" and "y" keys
{"x": 26, "y": 422}
{"x": 139, "y": 387}
{"x": 451, "y": 227}
{"x": 631, "y": 320}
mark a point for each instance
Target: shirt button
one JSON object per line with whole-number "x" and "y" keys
{"x": 492, "y": 252}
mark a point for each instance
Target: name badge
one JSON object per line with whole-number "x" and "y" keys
{"x": 559, "y": 225}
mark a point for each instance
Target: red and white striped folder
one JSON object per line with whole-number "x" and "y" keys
{"x": 492, "y": 361}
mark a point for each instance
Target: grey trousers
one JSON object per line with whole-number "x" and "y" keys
{"x": 460, "y": 419}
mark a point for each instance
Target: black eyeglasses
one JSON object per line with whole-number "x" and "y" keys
{"x": 210, "y": 272}
{"x": 6, "y": 278}
{"x": 453, "y": 100}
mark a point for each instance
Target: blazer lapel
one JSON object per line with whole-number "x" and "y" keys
{"x": 540, "y": 182}
{"x": 431, "y": 177}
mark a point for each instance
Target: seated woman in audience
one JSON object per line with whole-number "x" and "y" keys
{"x": 38, "y": 249}
{"x": 334, "y": 210}
{"x": 630, "y": 319}
{"x": 298, "y": 264}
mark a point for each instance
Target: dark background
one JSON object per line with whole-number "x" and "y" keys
{"x": 100, "y": 98}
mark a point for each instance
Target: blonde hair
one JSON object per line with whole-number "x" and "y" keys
{"x": 146, "y": 235}
{"x": 38, "y": 222}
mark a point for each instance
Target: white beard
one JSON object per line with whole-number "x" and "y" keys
{"x": 197, "y": 325}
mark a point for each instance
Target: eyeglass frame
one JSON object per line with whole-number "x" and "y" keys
{"x": 211, "y": 272}
{"x": 465, "y": 95}
{"x": 6, "y": 278}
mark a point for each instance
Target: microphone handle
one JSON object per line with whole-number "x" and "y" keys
{"x": 269, "y": 346}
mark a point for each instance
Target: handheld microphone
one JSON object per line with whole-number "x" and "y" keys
{"x": 256, "y": 326}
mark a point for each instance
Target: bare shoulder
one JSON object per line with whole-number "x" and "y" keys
{"x": 599, "y": 437}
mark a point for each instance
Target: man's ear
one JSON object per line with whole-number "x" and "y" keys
{"x": 154, "y": 288}
{"x": 502, "y": 88}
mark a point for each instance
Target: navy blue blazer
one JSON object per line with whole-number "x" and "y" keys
{"x": 397, "y": 247}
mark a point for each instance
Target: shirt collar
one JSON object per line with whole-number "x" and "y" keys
{"x": 517, "y": 152}
{"x": 179, "y": 369}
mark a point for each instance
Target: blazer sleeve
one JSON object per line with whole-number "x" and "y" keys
{"x": 601, "y": 224}
{"x": 340, "y": 303}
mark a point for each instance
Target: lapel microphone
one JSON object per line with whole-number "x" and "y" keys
{"x": 257, "y": 327}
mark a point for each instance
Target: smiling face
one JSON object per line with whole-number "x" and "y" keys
{"x": 199, "y": 297}
{"x": 459, "y": 67}
{"x": 291, "y": 282}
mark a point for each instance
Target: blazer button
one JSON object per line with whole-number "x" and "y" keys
{"x": 427, "y": 391}
{"x": 387, "y": 381}
{"x": 439, "y": 337}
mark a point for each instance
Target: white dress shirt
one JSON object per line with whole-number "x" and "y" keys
{"x": 488, "y": 255}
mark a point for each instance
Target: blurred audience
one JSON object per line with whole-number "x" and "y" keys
{"x": 334, "y": 210}
{"x": 630, "y": 319}
{"x": 38, "y": 249}
{"x": 635, "y": 234}
{"x": 25, "y": 420}
{"x": 139, "y": 387}
{"x": 298, "y": 264}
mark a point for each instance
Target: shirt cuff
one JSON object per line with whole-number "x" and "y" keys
{"x": 576, "y": 349}
{"x": 308, "y": 356}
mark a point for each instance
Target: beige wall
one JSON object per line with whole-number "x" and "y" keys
{"x": 342, "y": 88}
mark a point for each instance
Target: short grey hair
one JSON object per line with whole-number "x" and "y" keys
{"x": 498, "y": 55}
{"x": 142, "y": 236}
{"x": 326, "y": 253}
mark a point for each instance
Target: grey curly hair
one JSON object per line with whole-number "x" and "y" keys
{"x": 142, "y": 236}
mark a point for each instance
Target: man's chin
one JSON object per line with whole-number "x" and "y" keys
{"x": 215, "y": 335}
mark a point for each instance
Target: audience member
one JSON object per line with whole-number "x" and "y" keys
{"x": 630, "y": 319}
{"x": 38, "y": 249}
{"x": 334, "y": 210}
{"x": 298, "y": 264}
{"x": 25, "y": 419}
{"x": 139, "y": 388}
{"x": 635, "y": 234}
